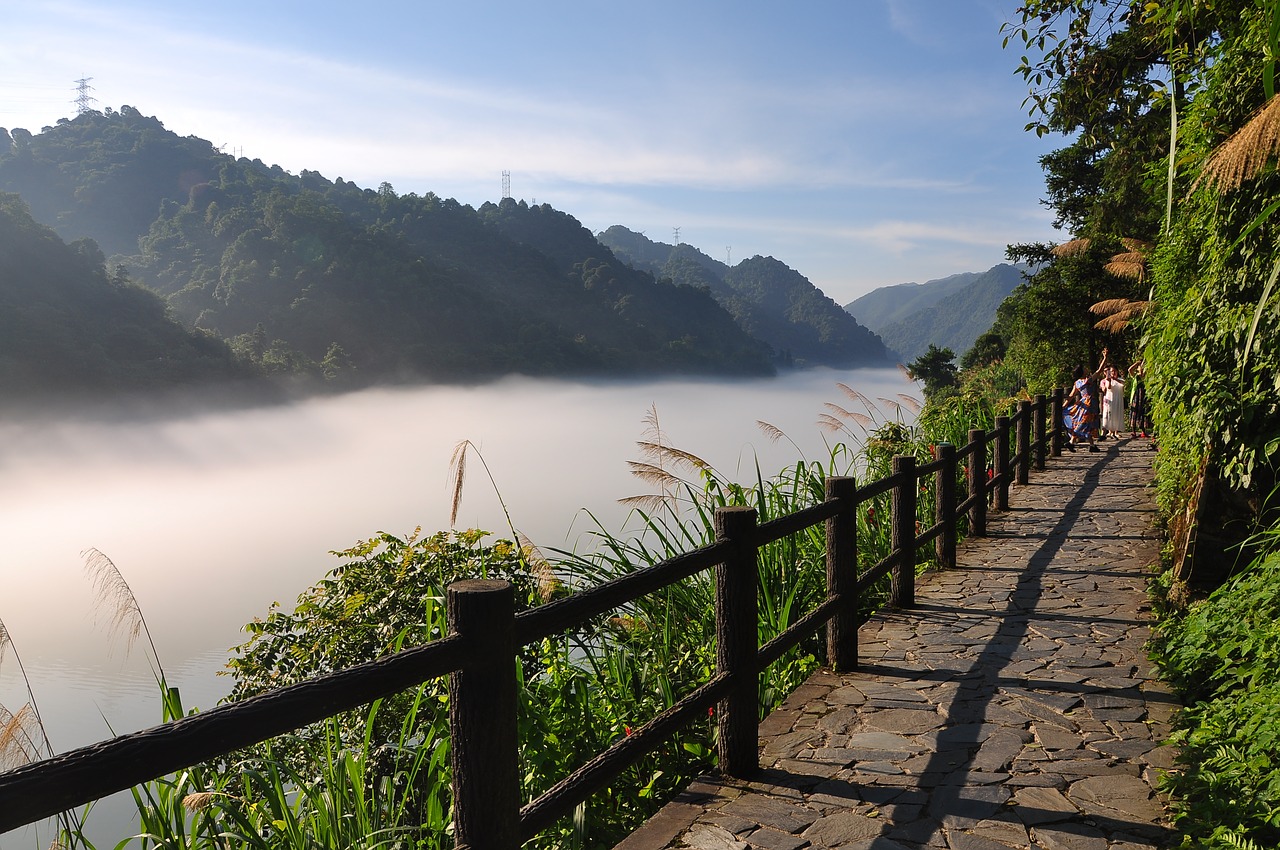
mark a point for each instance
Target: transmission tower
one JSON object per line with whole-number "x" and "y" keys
{"x": 83, "y": 98}
{"x": 676, "y": 230}
{"x": 506, "y": 184}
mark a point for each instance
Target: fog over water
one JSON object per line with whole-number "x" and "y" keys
{"x": 212, "y": 517}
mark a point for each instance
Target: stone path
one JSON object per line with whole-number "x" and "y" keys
{"x": 1014, "y": 706}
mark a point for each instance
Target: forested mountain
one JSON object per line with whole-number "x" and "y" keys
{"x": 768, "y": 299}
{"x": 949, "y": 313}
{"x": 889, "y": 304}
{"x": 304, "y": 274}
{"x": 68, "y": 325}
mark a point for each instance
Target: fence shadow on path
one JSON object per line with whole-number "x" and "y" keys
{"x": 1012, "y": 706}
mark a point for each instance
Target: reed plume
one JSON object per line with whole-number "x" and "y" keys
{"x": 1117, "y": 313}
{"x": 118, "y": 600}
{"x": 1244, "y": 155}
{"x": 861, "y": 418}
{"x": 18, "y": 732}
{"x": 773, "y": 432}
{"x": 458, "y": 476}
{"x": 1072, "y": 248}
{"x": 911, "y": 402}
{"x": 7, "y": 645}
{"x": 660, "y": 455}
{"x": 549, "y": 584}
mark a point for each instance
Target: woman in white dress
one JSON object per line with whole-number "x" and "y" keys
{"x": 1112, "y": 389}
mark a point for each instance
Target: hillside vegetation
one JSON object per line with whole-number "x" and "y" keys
{"x": 770, "y": 300}
{"x": 349, "y": 285}
{"x": 1167, "y": 189}
{"x": 65, "y": 321}
{"x": 949, "y": 313}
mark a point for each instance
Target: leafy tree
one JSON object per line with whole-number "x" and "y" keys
{"x": 937, "y": 368}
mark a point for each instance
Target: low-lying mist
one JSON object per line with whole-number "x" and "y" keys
{"x": 212, "y": 517}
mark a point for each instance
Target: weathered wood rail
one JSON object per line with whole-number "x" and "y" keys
{"x": 485, "y": 633}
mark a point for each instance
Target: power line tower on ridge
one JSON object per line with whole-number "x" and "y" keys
{"x": 83, "y": 98}
{"x": 506, "y": 184}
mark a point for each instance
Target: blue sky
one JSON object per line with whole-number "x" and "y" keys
{"x": 862, "y": 142}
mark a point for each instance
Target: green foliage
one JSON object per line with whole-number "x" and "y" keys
{"x": 937, "y": 368}
{"x": 68, "y": 326}
{"x": 1224, "y": 656}
{"x": 354, "y": 286}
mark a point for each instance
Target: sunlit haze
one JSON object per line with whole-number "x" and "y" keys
{"x": 863, "y": 143}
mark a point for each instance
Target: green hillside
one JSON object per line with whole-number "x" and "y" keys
{"x": 68, "y": 327}
{"x": 770, "y": 300}
{"x": 302, "y": 274}
{"x": 889, "y": 304}
{"x": 955, "y": 320}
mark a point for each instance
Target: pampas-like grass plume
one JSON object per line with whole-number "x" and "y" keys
{"x": 1072, "y": 248}
{"x": 772, "y": 432}
{"x": 117, "y": 599}
{"x": 861, "y": 418}
{"x": 653, "y": 474}
{"x": 549, "y": 584}
{"x": 18, "y": 737}
{"x": 1244, "y": 155}
{"x": 458, "y": 477}
{"x": 1118, "y": 313}
{"x": 1130, "y": 266}
{"x": 911, "y": 402}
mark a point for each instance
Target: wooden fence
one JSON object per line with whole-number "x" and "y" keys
{"x": 478, "y": 654}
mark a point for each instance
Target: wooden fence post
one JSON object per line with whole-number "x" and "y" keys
{"x": 1024, "y": 442}
{"x": 1055, "y": 423}
{"x": 482, "y": 716}
{"x": 902, "y": 588}
{"x": 737, "y": 641}
{"x": 978, "y": 483}
{"x": 944, "y": 502}
{"x": 842, "y": 574}
{"x": 1000, "y": 463}
{"x": 1041, "y": 409}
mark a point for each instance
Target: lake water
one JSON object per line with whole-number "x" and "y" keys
{"x": 212, "y": 517}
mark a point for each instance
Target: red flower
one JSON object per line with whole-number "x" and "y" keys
{"x": 627, "y": 731}
{"x": 711, "y": 710}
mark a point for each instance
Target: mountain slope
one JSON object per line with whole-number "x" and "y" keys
{"x": 302, "y": 271}
{"x": 768, "y": 299}
{"x": 958, "y": 318}
{"x": 890, "y": 304}
{"x": 68, "y": 327}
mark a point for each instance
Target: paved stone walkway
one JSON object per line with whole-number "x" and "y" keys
{"x": 1014, "y": 706}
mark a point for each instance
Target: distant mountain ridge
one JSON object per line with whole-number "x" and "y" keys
{"x": 339, "y": 286}
{"x": 770, "y": 300}
{"x": 951, "y": 312}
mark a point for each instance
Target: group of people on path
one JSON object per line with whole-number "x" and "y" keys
{"x": 1094, "y": 408}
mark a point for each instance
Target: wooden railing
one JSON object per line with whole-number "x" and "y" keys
{"x": 485, "y": 633}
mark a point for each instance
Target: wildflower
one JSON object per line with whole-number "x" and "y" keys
{"x": 626, "y": 731}
{"x": 711, "y": 711}
{"x": 871, "y": 516}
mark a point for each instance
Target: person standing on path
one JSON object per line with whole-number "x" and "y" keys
{"x": 1139, "y": 419}
{"x": 1080, "y": 410}
{"x": 1112, "y": 390}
